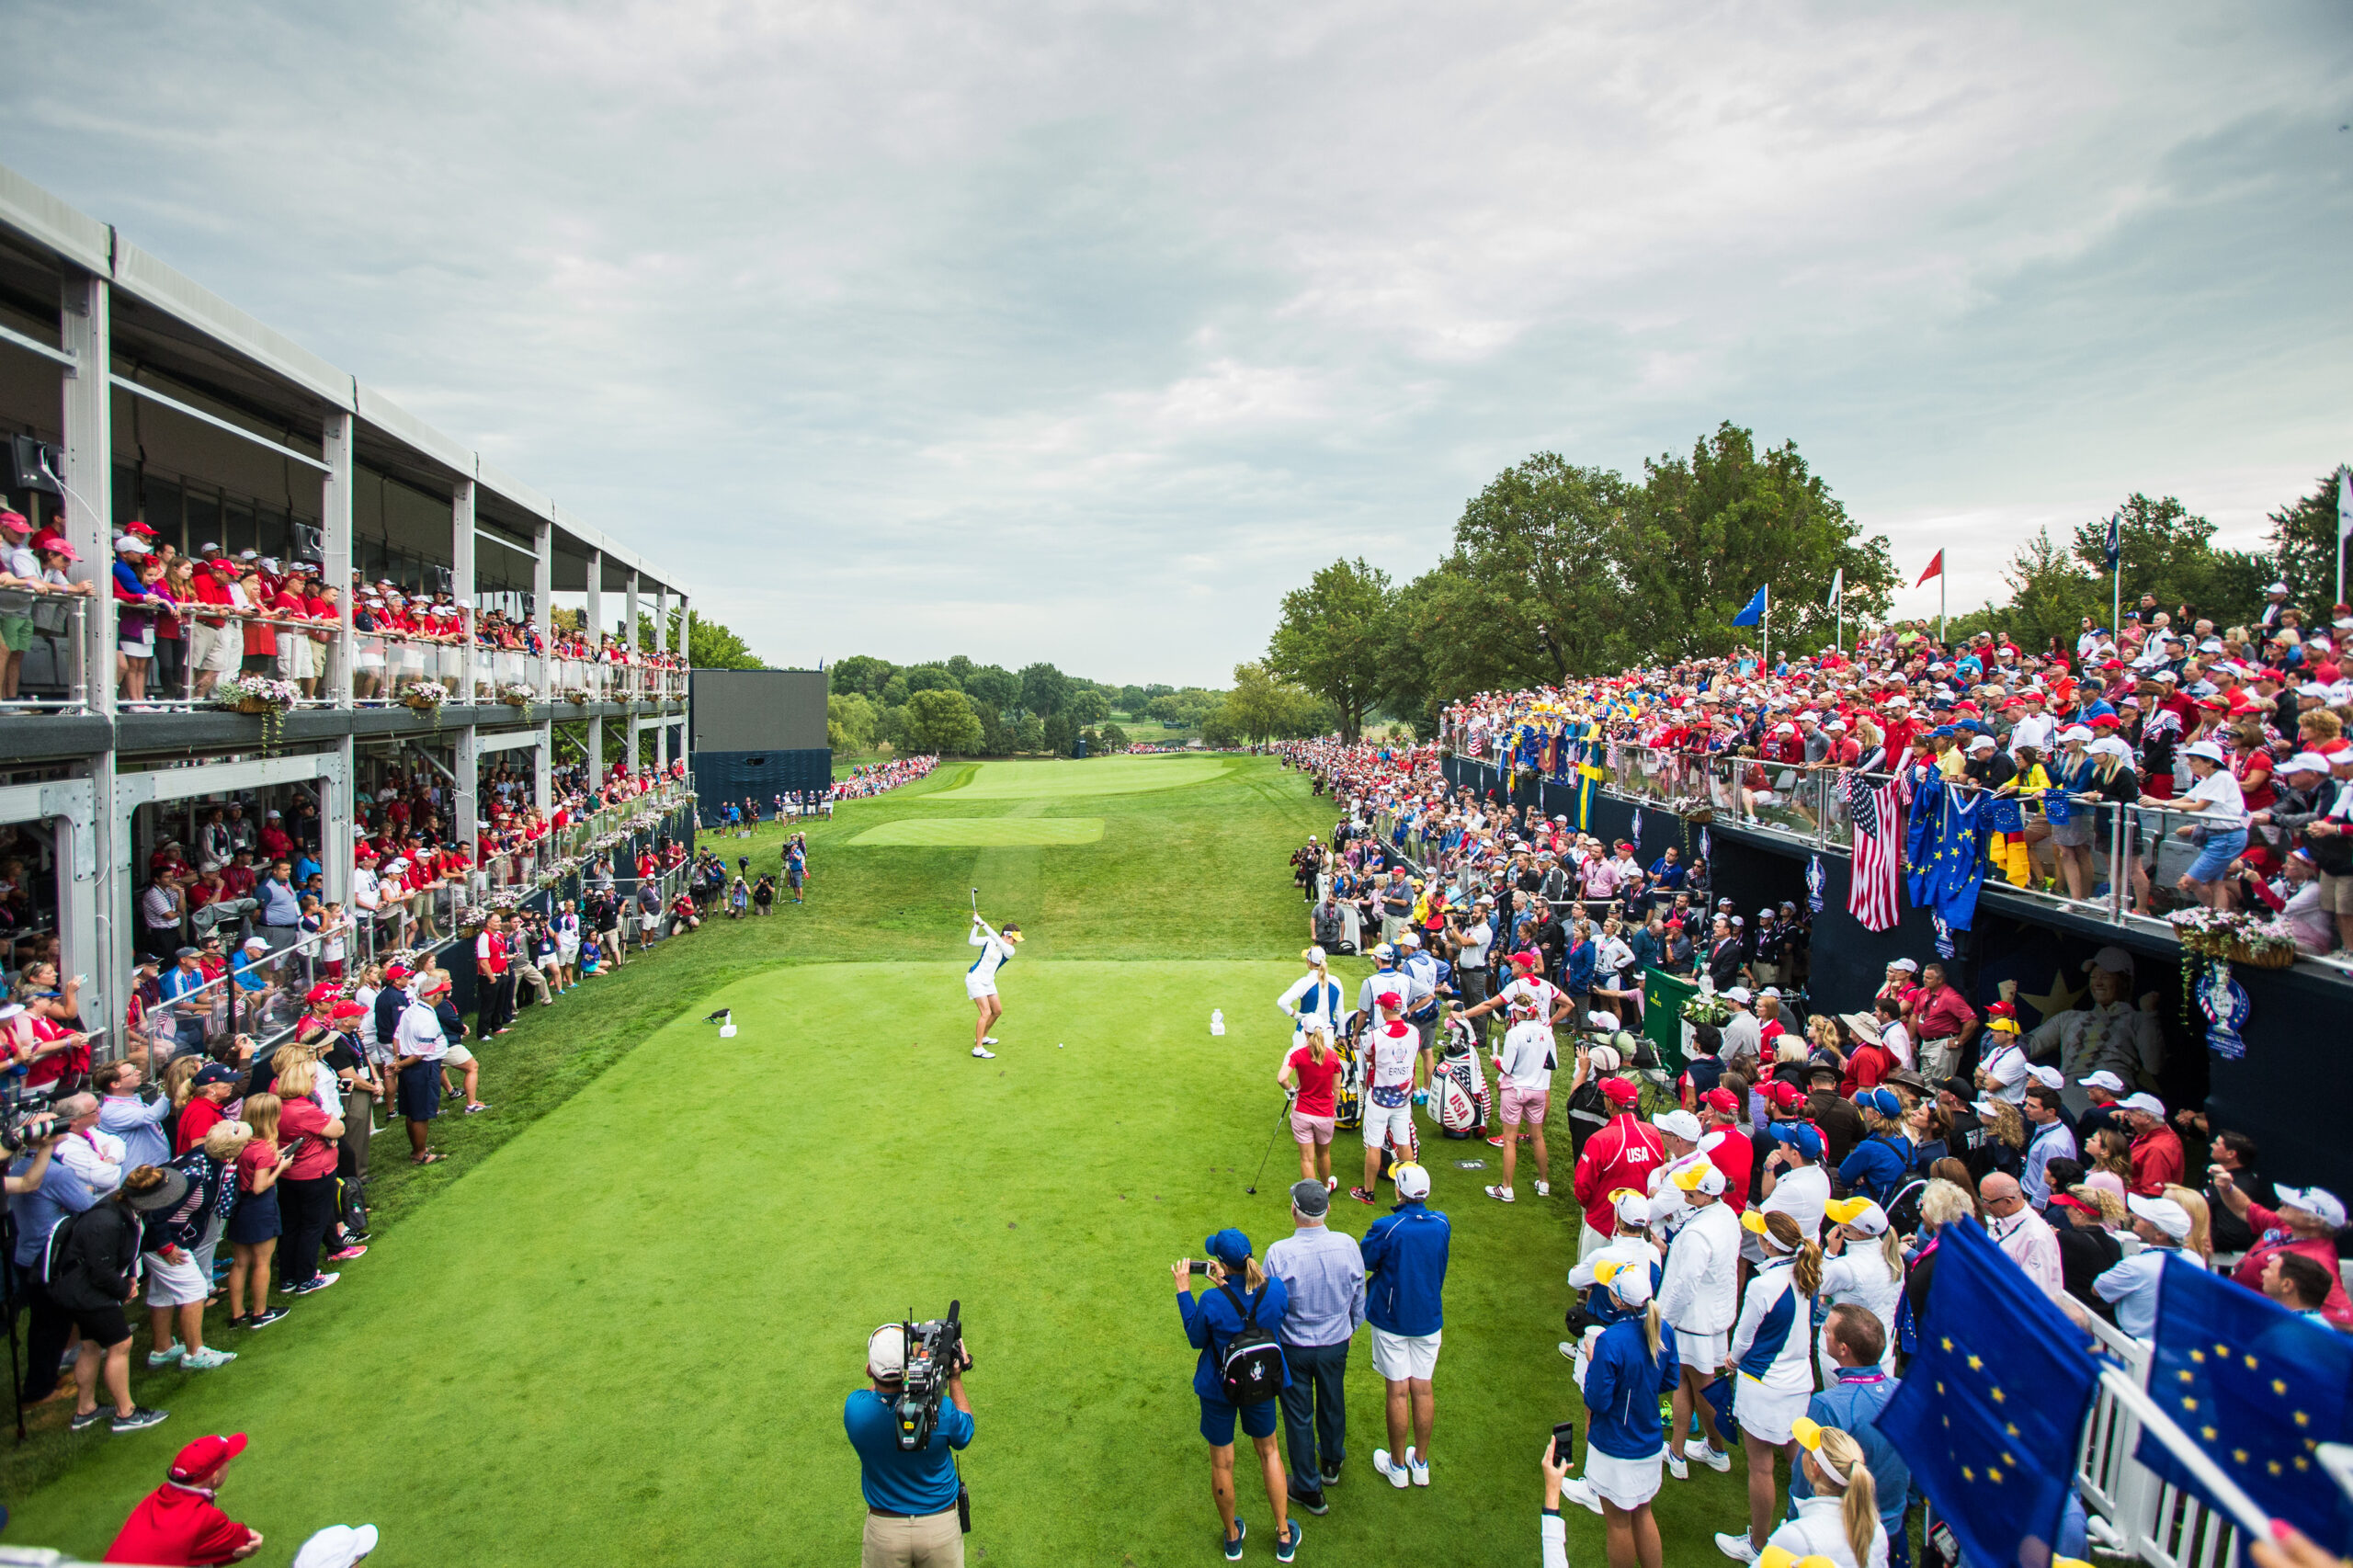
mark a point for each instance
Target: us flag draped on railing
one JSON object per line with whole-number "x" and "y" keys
{"x": 1878, "y": 817}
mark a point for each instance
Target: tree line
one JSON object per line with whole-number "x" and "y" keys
{"x": 1557, "y": 571}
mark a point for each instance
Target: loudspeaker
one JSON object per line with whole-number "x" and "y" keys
{"x": 35, "y": 465}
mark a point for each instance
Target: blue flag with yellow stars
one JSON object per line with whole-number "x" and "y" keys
{"x": 2260, "y": 1389}
{"x": 1991, "y": 1408}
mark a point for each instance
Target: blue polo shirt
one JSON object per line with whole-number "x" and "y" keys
{"x": 897, "y": 1481}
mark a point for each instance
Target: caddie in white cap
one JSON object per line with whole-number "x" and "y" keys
{"x": 2131, "y": 1287}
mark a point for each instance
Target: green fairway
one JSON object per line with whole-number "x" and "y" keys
{"x": 1096, "y": 776}
{"x": 979, "y": 833}
{"x": 618, "y": 1328}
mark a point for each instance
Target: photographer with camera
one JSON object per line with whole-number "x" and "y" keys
{"x": 913, "y": 1514}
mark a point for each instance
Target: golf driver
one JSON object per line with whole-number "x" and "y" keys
{"x": 976, "y": 904}
{"x": 1253, "y": 1188}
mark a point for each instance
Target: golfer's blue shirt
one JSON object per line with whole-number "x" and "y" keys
{"x": 896, "y": 1482}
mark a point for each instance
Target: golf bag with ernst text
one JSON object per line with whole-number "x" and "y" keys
{"x": 1459, "y": 1088}
{"x": 1349, "y": 1099}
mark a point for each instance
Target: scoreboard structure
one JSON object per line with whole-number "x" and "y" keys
{"x": 757, "y": 733}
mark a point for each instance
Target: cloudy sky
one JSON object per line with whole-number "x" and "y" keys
{"x": 1080, "y": 332}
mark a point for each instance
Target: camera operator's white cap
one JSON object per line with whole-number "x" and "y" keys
{"x": 886, "y": 1351}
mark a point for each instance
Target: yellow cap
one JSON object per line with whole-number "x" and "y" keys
{"x": 1783, "y": 1557}
{"x": 1807, "y": 1432}
{"x": 1753, "y": 1220}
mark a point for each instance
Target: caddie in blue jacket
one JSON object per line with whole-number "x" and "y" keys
{"x": 1404, "y": 1264}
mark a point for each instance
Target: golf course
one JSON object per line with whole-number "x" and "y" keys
{"x": 616, "y": 1326}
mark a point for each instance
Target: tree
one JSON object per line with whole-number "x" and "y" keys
{"x": 1261, "y": 707}
{"x": 711, "y": 645}
{"x": 959, "y": 667}
{"x": 1043, "y": 689}
{"x": 997, "y": 735}
{"x": 1087, "y": 707}
{"x": 1131, "y": 700}
{"x": 1029, "y": 734}
{"x": 993, "y": 686}
{"x": 895, "y": 691}
{"x": 1706, "y": 531}
{"x": 2169, "y": 551}
{"x": 1330, "y": 638}
{"x": 1114, "y": 738}
{"x": 1058, "y": 733}
{"x": 1220, "y": 726}
{"x": 849, "y": 723}
{"x": 862, "y": 673}
{"x": 2303, "y": 549}
{"x": 2050, "y": 596}
{"x": 929, "y": 678}
{"x": 941, "y": 721}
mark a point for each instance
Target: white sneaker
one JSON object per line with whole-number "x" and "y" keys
{"x": 1677, "y": 1467}
{"x": 990, "y": 1039}
{"x": 1395, "y": 1472}
{"x": 1710, "y": 1455}
{"x": 1500, "y": 1194}
{"x": 1331, "y": 1184}
{"x": 1418, "y": 1468}
{"x": 1735, "y": 1545}
{"x": 985, "y": 1053}
{"x": 1544, "y": 1190}
{"x": 1574, "y": 1490}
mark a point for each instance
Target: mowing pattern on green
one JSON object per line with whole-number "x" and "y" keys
{"x": 979, "y": 833}
{"x": 625, "y": 1334}
{"x": 1093, "y": 775}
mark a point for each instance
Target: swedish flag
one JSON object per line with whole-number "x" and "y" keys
{"x": 1992, "y": 1406}
{"x": 2260, "y": 1389}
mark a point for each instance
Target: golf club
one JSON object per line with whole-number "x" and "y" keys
{"x": 976, "y": 904}
{"x": 1253, "y": 1188}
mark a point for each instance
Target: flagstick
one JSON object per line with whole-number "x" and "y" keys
{"x": 1941, "y": 575}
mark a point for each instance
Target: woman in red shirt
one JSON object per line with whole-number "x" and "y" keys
{"x": 307, "y": 1185}
{"x": 1313, "y": 1069}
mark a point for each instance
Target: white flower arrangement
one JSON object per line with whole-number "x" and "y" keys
{"x": 514, "y": 694}
{"x": 265, "y": 690}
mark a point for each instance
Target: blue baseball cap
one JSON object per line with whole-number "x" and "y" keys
{"x": 1884, "y": 1101}
{"x": 1229, "y": 1247}
{"x": 1799, "y": 1133}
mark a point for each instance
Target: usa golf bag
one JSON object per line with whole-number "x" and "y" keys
{"x": 1349, "y": 1091}
{"x": 1459, "y": 1088}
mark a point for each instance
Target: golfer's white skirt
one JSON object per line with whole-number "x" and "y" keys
{"x": 976, "y": 988}
{"x": 1627, "y": 1483}
{"x": 1767, "y": 1414}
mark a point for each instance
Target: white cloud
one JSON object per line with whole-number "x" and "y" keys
{"x": 1080, "y": 331}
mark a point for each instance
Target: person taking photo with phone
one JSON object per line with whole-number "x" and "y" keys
{"x": 1222, "y": 1315}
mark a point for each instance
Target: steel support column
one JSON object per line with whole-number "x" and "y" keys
{"x": 87, "y": 419}
{"x": 461, "y": 589}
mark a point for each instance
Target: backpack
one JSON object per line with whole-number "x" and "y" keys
{"x": 1250, "y": 1370}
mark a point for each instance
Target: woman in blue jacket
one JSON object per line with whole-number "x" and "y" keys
{"x": 1210, "y": 1324}
{"x": 1633, "y": 1363}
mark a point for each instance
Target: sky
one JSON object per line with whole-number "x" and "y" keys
{"x": 1082, "y": 331}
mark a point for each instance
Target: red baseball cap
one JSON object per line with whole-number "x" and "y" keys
{"x": 1525, "y": 959}
{"x": 1787, "y": 1096}
{"x": 1618, "y": 1091}
{"x": 205, "y": 1457}
{"x": 52, "y": 541}
{"x": 397, "y": 972}
{"x": 1721, "y": 1098}
{"x": 349, "y": 1010}
{"x": 324, "y": 990}
{"x": 139, "y": 529}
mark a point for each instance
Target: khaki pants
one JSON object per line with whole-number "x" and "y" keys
{"x": 1939, "y": 1058}
{"x": 931, "y": 1541}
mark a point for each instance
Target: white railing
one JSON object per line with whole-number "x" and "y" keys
{"x": 2140, "y": 1514}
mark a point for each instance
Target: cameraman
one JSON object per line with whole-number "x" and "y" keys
{"x": 911, "y": 1517}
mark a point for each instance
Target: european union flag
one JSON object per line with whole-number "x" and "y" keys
{"x": 2260, "y": 1389}
{"x": 1754, "y": 611}
{"x": 1991, "y": 1407}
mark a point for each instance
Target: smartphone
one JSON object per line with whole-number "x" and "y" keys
{"x": 1565, "y": 1443}
{"x": 1200, "y": 1270}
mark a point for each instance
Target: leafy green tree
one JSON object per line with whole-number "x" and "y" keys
{"x": 1706, "y": 531}
{"x": 1087, "y": 707}
{"x": 994, "y": 686}
{"x": 1261, "y": 707}
{"x": 1330, "y": 637}
{"x": 862, "y": 673}
{"x": 996, "y": 735}
{"x": 891, "y": 728}
{"x": 929, "y": 678}
{"x": 959, "y": 667}
{"x": 2303, "y": 549}
{"x": 1043, "y": 689}
{"x": 940, "y": 720}
{"x": 1114, "y": 738}
{"x": 2169, "y": 551}
{"x": 895, "y": 691}
{"x": 1221, "y": 727}
{"x": 849, "y": 723}
{"x": 1152, "y": 691}
{"x": 712, "y": 646}
{"x": 2050, "y": 596}
{"x": 1131, "y": 700}
{"x": 1060, "y": 733}
{"x": 1029, "y": 734}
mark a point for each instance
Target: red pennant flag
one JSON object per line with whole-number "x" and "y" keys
{"x": 1935, "y": 569}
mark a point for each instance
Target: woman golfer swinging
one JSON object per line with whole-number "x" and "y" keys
{"x": 979, "y": 981}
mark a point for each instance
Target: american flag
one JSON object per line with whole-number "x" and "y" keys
{"x": 1879, "y": 824}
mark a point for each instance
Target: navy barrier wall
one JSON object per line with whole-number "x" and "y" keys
{"x": 724, "y": 776}
{"x": 2281, "y": 1093}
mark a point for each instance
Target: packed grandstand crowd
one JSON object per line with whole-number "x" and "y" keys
{"x": 186, "y": 622}
{"x": 1765, "y": 1203}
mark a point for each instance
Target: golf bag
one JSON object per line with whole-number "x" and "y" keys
{"x": 1459, "y": 1088}
{"x": 1348, "y": 1093}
